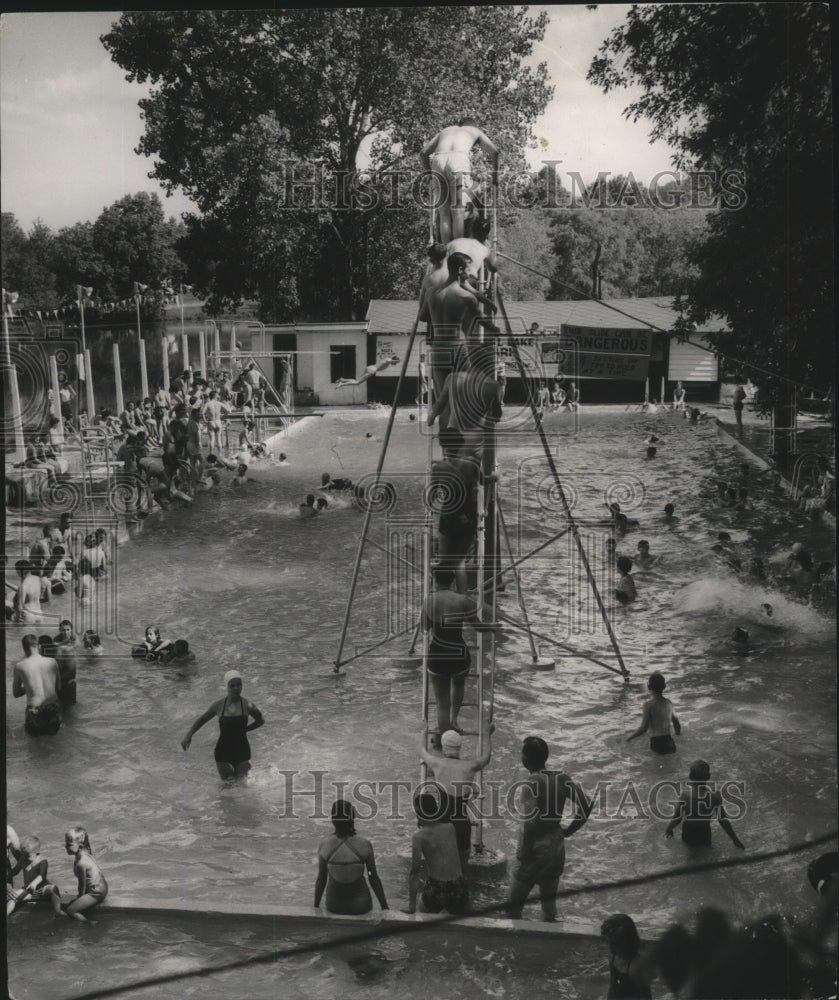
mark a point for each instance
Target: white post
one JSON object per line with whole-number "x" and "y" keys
{"x": 232, "y": 345}
{"x": 164, "y": 349}
{"x": 144, "y": 373}
{"x": 663, "y": 389}
{"x": 202, "y": 354}
{"x": 217, "y": 337}
{"x": 118, "y": 380}
{"x": 185, "y": 350}
{"x": 56, "y": 399}
{"x": 14, "y": 392}
{"x": 91, "y": 405}
{"x": 647, "y": 390}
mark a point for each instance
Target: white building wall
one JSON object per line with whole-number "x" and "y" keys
{"x": 690, "y": 363}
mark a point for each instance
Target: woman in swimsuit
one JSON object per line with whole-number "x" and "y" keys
{"x": 233, "y": 752}
{"x": 626, "y": 973}
{"x": 92, "y": 885}
{"x": 342, "y": 859}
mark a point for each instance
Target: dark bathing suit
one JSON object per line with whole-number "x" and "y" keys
{"x": 450, "y": 896}
{"x": 663, "y": 744}
{"x": 348, "y": 897}
{"x": 448, "y": 655}
{"x": 232, "y": 746}
{"x": 43, "y": 720}
{"x": 624, "y": 986}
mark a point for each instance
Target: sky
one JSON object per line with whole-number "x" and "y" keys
{"x": 70, "y": 122}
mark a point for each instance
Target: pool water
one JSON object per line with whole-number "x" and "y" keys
{"x": 122, "y": 950}
{"x": 252, "y": 585}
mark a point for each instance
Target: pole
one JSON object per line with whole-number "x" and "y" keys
{"x": 663, "y": 389}
{"x": 118, "y": 380}
{"x": 217, "y": 336}
{"x": 144, "y": 373}
{"x": 56, "y": 399}
{"x": 91, "y": 405}
{"x": 139, "y": 329}
{"x": 164, "y": 350}
{"x": 81, "y": 316}
{"x": 647, "y": 389}
{"x": 368, "y": 513}
{"x": 575, "y": 531}
{"x": 185, "y": 350}
{"x": 202, "y": 354}
{"x": 14, "y": 392}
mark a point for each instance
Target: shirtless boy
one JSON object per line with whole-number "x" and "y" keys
{"x": 436, "y": 844}
{"x": 38, "y": 678}
{"x": 657, "y": 717}
{"x": 456, "y": 779}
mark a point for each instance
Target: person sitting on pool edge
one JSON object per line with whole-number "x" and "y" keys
{"x": 657, "y": 717}
{"x": 435, "y": 843}
{"x": 342, "y": 860}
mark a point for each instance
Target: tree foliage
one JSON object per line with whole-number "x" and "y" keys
{"x": 747, "y": 87}
{"x": 644, "y": 249}
{"x": 131, "y": 241}
{"x": 239, "y": 98}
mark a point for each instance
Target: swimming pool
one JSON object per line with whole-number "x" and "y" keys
{"x": 252, "y": 585}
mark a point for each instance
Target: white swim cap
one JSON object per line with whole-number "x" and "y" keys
{"x": 232, "y": 675}
{"x": 797, "y": 547}
{"x": 450, "y": 740}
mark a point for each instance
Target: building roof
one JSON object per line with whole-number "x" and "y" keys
{"x": 398, "y": 315}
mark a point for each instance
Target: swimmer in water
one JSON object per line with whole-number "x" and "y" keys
{"x": 670, "y": 513}
{"x": 651, "y": 451}
{"x": 92, "y": 644}
{"x": 625, "y": 591}
{"x": 308, "y": 508}
{"x": 328, "y": 483}
{"x": 153, "y": 646}
{"x": 241, "y": 476}
{"x": 644, "y": 560}
{"x": 232, "y": 752}
{"x": 181, "y": 654}
{"x": 697, "y": 806}
{"x": 657, "y": 717}
{"x": 321, "y": 503}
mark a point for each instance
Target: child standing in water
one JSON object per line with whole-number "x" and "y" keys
{"x": 658, "y": 714}
{"x": 92, "y": 885}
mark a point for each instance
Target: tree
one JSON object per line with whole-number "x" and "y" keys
{"x": 746, "y": 88}
{"x": 242, "y": 98}
{"x": 644, "y": 248}
{"x": 28, "y": 262}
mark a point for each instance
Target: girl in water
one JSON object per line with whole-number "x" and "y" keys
{"x": 627, "y": 976}
{"x": 153, "y": 647}
{"x": 93, "y": 889}
{"x": 233, "y": 752}
{"x": 342, "y": 860}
